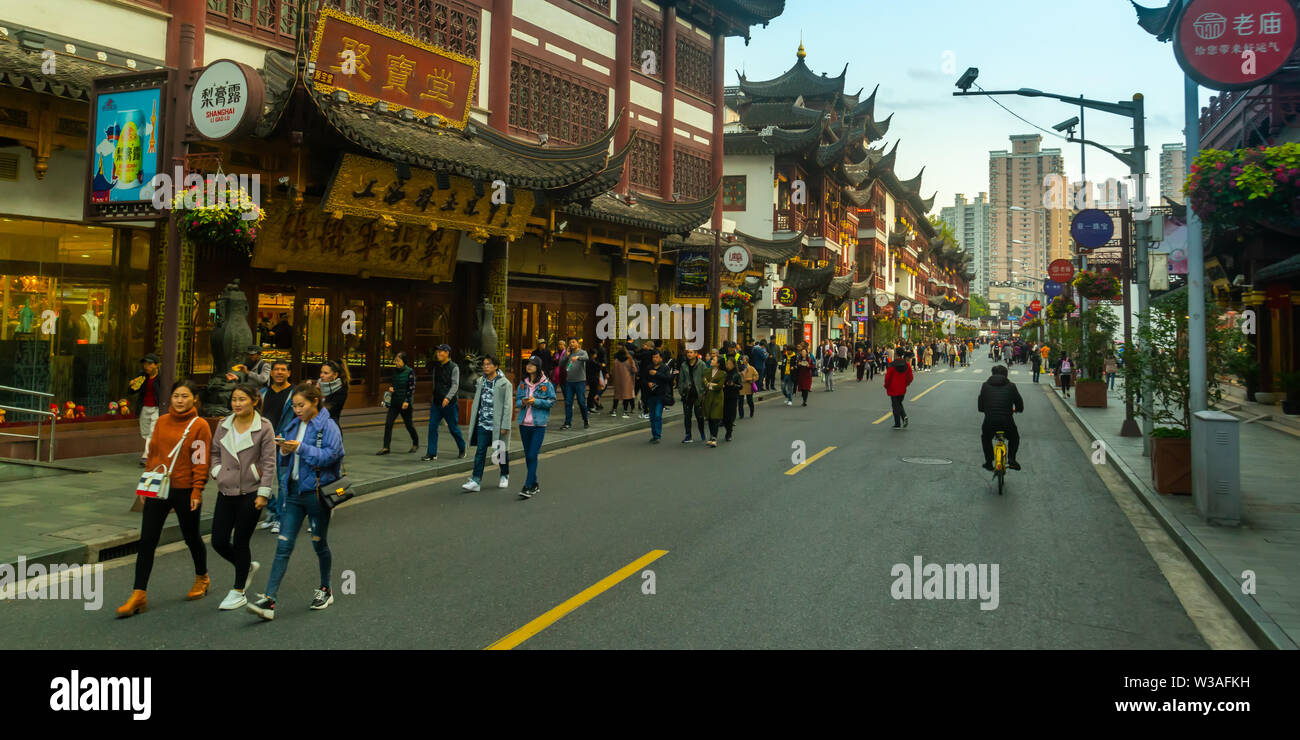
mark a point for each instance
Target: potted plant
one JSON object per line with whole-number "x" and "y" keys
{"x": 1241, "y": 363}
{"x": 1245, "y": 188}
{"x": 733, "y": 300}
{"x": 1097, "y": 285}
{"x": 1060, "y": 308}
{"x": 232, "y": 222}
{"x": 1160, "y": 363}
{"x": 1291, "y": 384}
{"x": 1090, "y": 357}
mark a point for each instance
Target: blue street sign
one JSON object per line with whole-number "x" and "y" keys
{"x": 1092, "y": 228}
{"x": 1053, "y": 289}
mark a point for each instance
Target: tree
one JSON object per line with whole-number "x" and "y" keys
{"x": 979, "y": 306}
{"x": 1017, "y": 311}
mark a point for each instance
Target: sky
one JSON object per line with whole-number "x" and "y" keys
{"x": 916, "y": 50}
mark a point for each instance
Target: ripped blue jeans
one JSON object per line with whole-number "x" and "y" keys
{"x": 300, "y": 505}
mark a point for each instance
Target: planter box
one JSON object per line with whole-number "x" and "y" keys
{"x": 1171, "y": 464}
{"x": 1267, "y": 399}
{"x": 1090, "y": 394}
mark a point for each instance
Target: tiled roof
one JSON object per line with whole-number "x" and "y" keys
{"x": 22, "y": 69}
{"x": 794, "y": 82}
{"x": 773, "y": 141}
{"x": 647, "y": 213}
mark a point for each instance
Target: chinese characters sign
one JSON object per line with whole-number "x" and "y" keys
{"x": 313, "y": 240}
{"x": 374, "y": 63}
{"x": 371, "y": 188}
{"x": 226, "y": 101}
{"x": 736, "y": 258}
{"x": 1234, "y": 44}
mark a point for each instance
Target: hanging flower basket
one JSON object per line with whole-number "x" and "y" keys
{"x": 733, "y": 300}
{"x": 1060, "y": 308}
{"x": 1247, "y": 188}
{"x": 1097, "y": 285}
{"x": 223, "y": 224}
{"x": 1031, "y": 324}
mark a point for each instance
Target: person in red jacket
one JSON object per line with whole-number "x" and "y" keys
{"x": 898, "y": 375}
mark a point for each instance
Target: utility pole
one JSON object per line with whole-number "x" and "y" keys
{"x": 179, "y": 100}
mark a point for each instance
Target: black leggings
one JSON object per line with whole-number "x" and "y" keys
{"x": 805, "y": 396}
{"x": 1065, "y": 382}
{"x": 152, "y": 520}
{"x": 406, "y": 413}
{"x": 713, "y": 428}
{"x": 730, "y": 402}
{"x": 238, "y": 516}
{"x": 627, "y": 405}
{"x": 746, "y": 397}
{"x": 899, "y": 413}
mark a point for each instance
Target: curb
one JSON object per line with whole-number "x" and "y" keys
{"x": 1249, "y": 614}
{"x": 88, "y": 552}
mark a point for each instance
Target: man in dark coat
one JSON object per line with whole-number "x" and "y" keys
{"x": 998, "y": 401}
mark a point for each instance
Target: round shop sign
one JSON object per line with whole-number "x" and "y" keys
{"x": 1061, "y": 271}
{"x": 1092, "y": 228}
{"x": 904, "y": 306}
{"x": 882, "y": 300}
{"x": 1234, "y": 44}
{"x": 1035, "y": 305}
{"x": 227, "y": 100}
{"x": 916, "y": 309}
{"x": 736, "y": 258}
{"x": 929, "y": 312}
{"x": 787, "y": 296}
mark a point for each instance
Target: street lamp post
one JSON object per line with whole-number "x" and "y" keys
{"x": 1135, "y": 158}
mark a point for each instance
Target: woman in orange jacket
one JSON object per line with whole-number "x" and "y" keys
{"x": 181, "y": 430}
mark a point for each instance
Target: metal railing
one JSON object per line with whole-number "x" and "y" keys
{"x": 53, "y": 420}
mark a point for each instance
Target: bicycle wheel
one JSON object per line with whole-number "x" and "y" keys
{"x": 1002, "y": 474}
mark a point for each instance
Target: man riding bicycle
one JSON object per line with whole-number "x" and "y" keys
{"x": 998, "y": 400}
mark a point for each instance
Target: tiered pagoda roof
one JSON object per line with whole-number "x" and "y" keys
{"x": 800, "y": 111}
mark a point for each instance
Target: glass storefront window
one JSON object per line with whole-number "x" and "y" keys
{"x": 67, "y": 324}
{"x": 315, "y": 344}
{"x": 390, "y": 342}
{"x": 354, "y": 344}
{"x": 275, "y": 325}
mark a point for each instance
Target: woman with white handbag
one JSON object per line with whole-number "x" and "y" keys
{"x": 243, "y": 464}
{"x": 175, "y": 473}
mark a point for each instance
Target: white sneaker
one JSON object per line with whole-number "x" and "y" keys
{"x": 789, "y": 403}
{"x": 505, "y": 482}
{"x": 471, "y": 486}
{"x": 233, "y": 600}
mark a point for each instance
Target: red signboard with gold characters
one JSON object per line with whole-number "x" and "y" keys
{"x": 374, "y": 63}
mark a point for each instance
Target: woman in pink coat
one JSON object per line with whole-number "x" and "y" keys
{"x": 624, "y": 370}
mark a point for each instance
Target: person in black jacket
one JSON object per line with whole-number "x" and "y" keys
{"x": 998, "y": 401}
{"x": 333, "y": 383}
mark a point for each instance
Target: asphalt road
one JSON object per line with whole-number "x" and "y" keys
{"x": 756, "y": 558}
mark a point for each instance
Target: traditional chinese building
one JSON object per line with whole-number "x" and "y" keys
{"x": 862, "y": 230}
{"x": 413, "y": 159}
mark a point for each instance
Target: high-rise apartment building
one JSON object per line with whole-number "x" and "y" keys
{"x": 1173, "y": 163}
{"x": 970, "y": 222}
{"x": 1024, "y": 234}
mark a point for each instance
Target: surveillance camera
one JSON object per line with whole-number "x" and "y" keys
{"x": 967, "y": 79}
{"x": 1063, "y": 125}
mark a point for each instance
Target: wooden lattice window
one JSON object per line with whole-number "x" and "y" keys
{"x": 647, "y": 35}
{"x": 694, "y": 67}
{"x": 269, "y": 20}
{"x": 733, "y": 193}
{"x": 601, "y": 5}
{"x": 644, "y": 161}
{"x": 449, "y": 24}
{"x": 692, "y": 175}
{"x": 565, "y": 107}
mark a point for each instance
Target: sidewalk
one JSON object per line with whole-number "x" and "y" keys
{"x": 1267, "y": 541}
{"x": 78, "y": 511}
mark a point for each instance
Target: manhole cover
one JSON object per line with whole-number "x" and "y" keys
{"x": 927, "y": 460}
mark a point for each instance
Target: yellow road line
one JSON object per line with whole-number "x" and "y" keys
{"x": 514, "y": 639}
{"x": 807, "y": 462}
{"x": 887, "y": 415}
{"x": 917, "y": 397}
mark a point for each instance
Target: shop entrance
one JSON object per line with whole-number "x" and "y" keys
{"x": 546, "y": 314}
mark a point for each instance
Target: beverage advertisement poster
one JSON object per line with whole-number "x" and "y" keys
{"x": 126, "y": 146}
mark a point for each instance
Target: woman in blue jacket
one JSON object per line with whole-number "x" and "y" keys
{"x": 534, "y": 399}
{"x": 311, "y": 451}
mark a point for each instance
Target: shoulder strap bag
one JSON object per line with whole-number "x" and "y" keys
{"x": 336, "y": 492}
{"x": 156, "y": 483}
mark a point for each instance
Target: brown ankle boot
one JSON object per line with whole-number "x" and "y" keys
{"x": 133, "y": 605}
{"x": 200, "y": 588}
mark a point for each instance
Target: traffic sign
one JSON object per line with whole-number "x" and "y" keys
{"x": 1092, "y": 228}
{"x": 1036, "y": 305}
{"x": 1234, "y": 44}
{"x": 1061, "y": 271}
